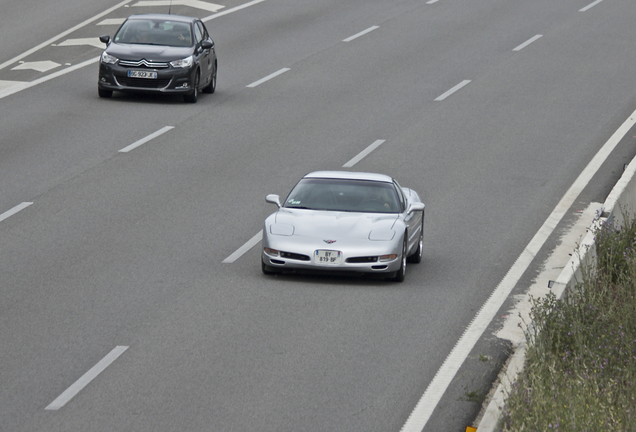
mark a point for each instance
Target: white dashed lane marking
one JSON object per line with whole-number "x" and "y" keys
{"x": 526, "y": 43}
{"x": 14, "y": 210}
{"x": 451, "y": 91}
{"x": 268, "y": 77}
{"x": 89, "y": 376}
{"x": 247, "y": 246}
{"x": 590, "y": 6}
{"x": 362, "y": 33}
{"x": 136, "y": 144}
{"x": 363, "y": 154}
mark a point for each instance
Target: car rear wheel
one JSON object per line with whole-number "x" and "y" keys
{"x": 104, "y": 93}
{"x": 194, "y": 95}
{"x": 212, "y": 86}
{"x": 401, "y": 273}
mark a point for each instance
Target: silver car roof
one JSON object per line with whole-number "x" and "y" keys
{"x": 350, "y": 175}
{"x": 167, "y": 17}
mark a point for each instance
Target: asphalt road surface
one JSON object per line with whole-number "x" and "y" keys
{"x": 117, "y": 310}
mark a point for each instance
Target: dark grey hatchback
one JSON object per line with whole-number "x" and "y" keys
{"x": 158, "y": 53}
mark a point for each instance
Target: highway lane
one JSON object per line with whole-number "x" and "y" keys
{"x": 127, "y": 249}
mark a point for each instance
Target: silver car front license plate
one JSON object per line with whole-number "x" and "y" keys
{"x": 328, "y": 257}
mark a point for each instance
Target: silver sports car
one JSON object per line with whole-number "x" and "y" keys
{"x": 345, "y": 221}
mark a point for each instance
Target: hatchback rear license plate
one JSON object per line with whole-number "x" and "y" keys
{"x": 142, "y": 74}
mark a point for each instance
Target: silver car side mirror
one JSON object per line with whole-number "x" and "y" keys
{"x": 273, "y": 199}
{"x": 414, "y": 207}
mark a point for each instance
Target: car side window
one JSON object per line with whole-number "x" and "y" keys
{"x": 198, "y": 33}
{"x": 401, "y": 197}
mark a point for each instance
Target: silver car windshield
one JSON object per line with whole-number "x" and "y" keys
{"x": 155, "y": 32}
{"x": 344, "y": 195}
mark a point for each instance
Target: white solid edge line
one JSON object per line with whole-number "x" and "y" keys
{"x": 363, "y": 154}
{"x": 268, "y": 77}
{"x": 154, "y": 135}
{"x": 14, "y": 210}
{"x": 247, "y": 246}
{"x": 433, "y": 394}
{"x": 357, "y": 35}
{"x": 526, "y": 43}
{"x": 590, "y": 6}
{"x": 63, "y": 34}
{"x": 89, "y": 376}
{"x": 229, "y": 11}
{"x": 451, "y": 91}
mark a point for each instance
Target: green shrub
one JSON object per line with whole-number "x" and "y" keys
{"x": 580, "y": 370}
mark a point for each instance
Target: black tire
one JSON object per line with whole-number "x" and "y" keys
{"x": 104, "y": 93}
{"x": 416, "y": 258}
{"x": 194, "y": 95}
{"x": 211, "y": 88}
{"x": 268, "y": 270}
{"x": 401, "y": 273}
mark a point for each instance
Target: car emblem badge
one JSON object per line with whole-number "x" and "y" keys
{"x": 329, "y": 241}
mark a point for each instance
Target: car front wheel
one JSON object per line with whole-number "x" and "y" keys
{"x": 212, "y": 86}
{"x": 401, "y": 273}
{"x": 104, "y": 93}
{"x": 194, "y": 95}
{"x": 268, "y": 270}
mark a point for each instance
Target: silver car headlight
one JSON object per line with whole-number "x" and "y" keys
{"x": 108, "y": 59}
{"x": 385, "y": 258}
{"x": 271, "y": 252}
{"x": 183, "y": 63}
{"x": 281, "y": 229}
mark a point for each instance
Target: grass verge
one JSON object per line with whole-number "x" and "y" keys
{"x": 580, "y": 370}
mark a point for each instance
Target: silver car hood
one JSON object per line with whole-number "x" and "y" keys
{"x": 333, "y": 224}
